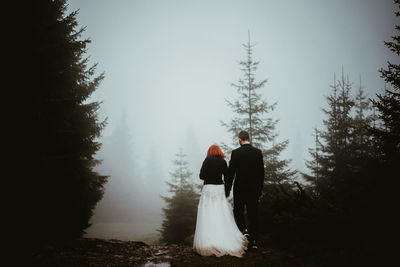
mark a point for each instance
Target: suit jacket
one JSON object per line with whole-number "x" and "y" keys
{"x": 246, "y": 169}
{"x": 212, "y": 170}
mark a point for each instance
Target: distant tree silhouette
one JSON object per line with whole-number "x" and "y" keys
{"x": 54, "y": 185}
{"x": 121, "y": 197}
{"x": 314, "y": 165}
{"x": 363, "y": 120}
{"x": 180, "y": 212}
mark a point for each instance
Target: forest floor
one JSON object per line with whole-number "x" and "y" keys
{"x": 101, "y": 252}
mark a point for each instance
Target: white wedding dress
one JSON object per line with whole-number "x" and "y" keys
{"x": 216, "y": 231}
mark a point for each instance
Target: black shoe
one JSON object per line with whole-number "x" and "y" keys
{"x": 253, "y": 244}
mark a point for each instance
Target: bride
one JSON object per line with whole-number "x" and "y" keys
{"x": 216, "y": 231}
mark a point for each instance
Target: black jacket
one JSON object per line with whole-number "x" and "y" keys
{"x": 246, "y": 168}
{"x": 212, "y": 170}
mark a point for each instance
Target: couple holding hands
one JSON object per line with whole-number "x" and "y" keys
{"x": 219, "y": 230}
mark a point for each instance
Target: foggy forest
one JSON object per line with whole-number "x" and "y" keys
{"x": 117, "y": 103}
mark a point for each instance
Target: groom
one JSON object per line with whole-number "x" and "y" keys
{"x": 246, "y": 168}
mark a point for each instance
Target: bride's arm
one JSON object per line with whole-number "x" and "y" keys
{"x": 202, "y": 171}
{"x": 225, "y": 171}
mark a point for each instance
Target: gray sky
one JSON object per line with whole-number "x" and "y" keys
{"x": 169, "y": 64}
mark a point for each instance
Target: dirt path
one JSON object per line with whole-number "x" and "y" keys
{"x": 99, "y": 252}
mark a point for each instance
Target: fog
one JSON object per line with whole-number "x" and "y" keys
{"x": 168, "y": 67}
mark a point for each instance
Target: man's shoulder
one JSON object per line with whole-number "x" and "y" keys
{"x": 257, "y": 149}
{"x": 246, "y": 148}
{"x": 236, "y": 149}
{"x": 235, "y": 152}
{"x": 248, "y": 145}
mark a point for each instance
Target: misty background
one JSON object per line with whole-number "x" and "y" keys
{"x": 168, "y": 67}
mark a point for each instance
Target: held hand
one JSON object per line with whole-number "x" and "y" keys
{"x": 260, "y": 197}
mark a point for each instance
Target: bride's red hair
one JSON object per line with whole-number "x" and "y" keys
{"x": 215, "y": 150}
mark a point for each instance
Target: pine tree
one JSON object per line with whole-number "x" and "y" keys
{"x": 335, "y": 148}
{"x": 339, "y": 123}
{"x": 252, "y": 114}
{"x": 342, "y": 172}
{"x": 180, "y": 212}
{"x": 387, "y": 135}
{"x": 388, "y": 104}
{"x": 56, "y": 187}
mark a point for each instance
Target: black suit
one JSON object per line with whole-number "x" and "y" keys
{"x": 246, "y": 169}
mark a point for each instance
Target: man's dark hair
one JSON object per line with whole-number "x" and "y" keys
{"x": 244, "y": 136}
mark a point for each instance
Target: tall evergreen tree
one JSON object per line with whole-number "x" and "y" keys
{"x": 337, "y": 136}
{"x": 388, "y": 104}
{"x": 252, "y": 114}
{"x": 180, "y": 212}
{"x": 388, "y": 141}
{"x": 56, "y": 187}
{"x": 340, "y": 172}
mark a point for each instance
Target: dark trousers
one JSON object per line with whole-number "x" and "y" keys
{"x": 240, "y": 202}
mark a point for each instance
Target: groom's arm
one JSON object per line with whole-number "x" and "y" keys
{"x": 230, "y": 175}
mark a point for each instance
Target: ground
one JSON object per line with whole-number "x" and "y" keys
{"x": 101, "y": 252}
